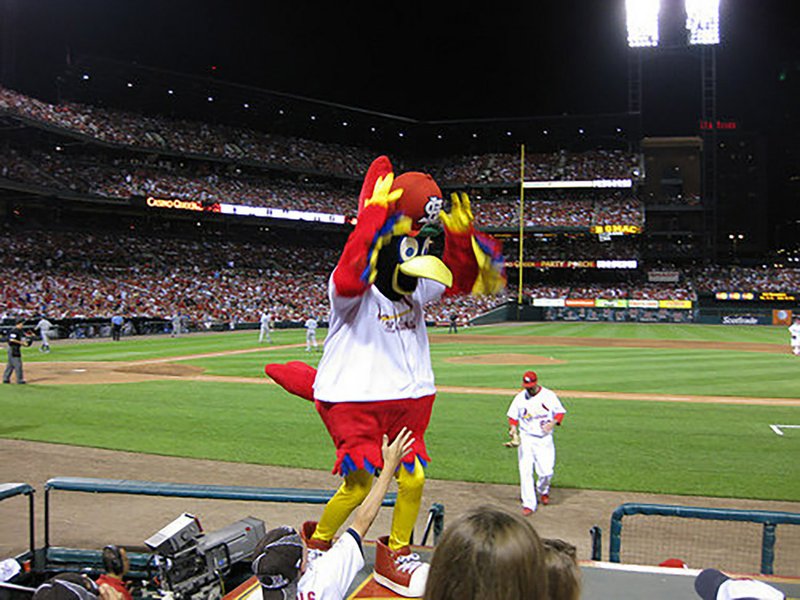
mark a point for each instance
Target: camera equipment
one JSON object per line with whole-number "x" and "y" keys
{"x": 192, "y": 564}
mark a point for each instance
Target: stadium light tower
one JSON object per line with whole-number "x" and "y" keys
{"x": 642, "y": 20}
{"x": 702, "y": 22}
{"x": 702, "y": 33}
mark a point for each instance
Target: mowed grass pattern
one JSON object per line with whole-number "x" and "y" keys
{"x": 706, "y": 449}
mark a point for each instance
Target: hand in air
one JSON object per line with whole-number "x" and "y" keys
{"x": 382, "y": 193}
{"x": 401, "y": 445}
{"x": 460, "y": 218}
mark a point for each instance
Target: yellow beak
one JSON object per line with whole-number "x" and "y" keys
{"x": 427, "y": 267}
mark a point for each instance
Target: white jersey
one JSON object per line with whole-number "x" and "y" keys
{"x": 311, "y": 324}
{"x": 533, "y": 412}
{"x": 44, "y": 326}
{"x": 377, "y": 349}
{"x": 329, "y": 576}
{"x": 265, "y": 320}
{"x": 794, "y": 330}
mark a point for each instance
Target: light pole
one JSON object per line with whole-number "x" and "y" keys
{"x": 735, "y": 238}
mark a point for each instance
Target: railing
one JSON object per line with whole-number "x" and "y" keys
{"x": 768, "y": 519}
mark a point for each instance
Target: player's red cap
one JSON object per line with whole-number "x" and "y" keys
{"x": 529, "y": 379}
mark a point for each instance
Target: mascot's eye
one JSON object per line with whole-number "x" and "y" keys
{"x": 409, "y": 248}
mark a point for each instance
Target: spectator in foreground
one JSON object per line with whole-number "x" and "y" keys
{"x": 286, "y": 567}
{"x": 116, "y": 564}
{"x": 67, "y": 586}
{"x": 488, "y": 554}
{"x": 563, "y": 572}
{"x": 712, "y": 584}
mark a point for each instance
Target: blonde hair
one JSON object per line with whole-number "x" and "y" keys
{"x": 488, "y": 554}
{"x": 563, "y": 572}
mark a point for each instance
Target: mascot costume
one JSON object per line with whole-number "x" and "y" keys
{"x": 375, "y": 374}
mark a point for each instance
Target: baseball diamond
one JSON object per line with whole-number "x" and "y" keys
{"x": 204, "y": 362}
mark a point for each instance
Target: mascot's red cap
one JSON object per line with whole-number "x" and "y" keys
{"x": 421, "y": 199}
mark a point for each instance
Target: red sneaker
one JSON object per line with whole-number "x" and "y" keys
{"x": 315, "y": 547}
{"x": 527, "y": 512}
{"x": 545, "y": 499}
{"x": 401, "y": 571}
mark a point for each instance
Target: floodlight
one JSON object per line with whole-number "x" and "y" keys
{"x": 642, "y": 16}
{"x": 702, "y": 21}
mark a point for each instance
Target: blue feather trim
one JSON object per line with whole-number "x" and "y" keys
{"x": 386, "y": 230}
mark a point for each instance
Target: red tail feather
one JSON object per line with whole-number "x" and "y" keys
{"x": 295, "y": 377}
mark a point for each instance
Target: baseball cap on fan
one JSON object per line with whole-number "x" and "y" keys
{"x": 712, "y": 584}
{"x": 279, "y": 555}
{"x": 529, "y": 379}
{"x": 67, "y": 586}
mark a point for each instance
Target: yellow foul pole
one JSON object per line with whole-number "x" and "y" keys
{"x": 521, "y": 215}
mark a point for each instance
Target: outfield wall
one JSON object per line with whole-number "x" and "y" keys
{"x": 622, "y": 310}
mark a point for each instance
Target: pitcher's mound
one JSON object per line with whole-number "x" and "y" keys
{"x": 504, "y": 359}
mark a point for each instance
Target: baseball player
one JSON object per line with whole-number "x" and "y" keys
{"x": 266, "y": 327}
{"x": 311, "y": 333}
{"x": 288, "y": 569}
{"x": 44, "y": 326}
{"x": 794, "y": 331}
{"x": 533, "y": 414}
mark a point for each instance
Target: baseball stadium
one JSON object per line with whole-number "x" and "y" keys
{"x": 224, "y": 304}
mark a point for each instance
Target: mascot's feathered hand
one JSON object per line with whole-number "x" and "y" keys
{"x": 474, "y": 257}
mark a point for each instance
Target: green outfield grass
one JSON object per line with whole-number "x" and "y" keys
{"x": 706, "y": 449}
{"x": 655, "y": 331}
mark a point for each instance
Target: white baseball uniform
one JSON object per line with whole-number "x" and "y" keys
{"x": 265, "y": 333}
{"x": 311, "y": 333}
{"x": 44, "y": 326}
{"x": 536, "y": 451}
{"x": 794, "y": 331}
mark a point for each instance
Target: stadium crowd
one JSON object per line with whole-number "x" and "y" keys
{"x": 199, "y": 139}
{"x": 118, "y": 177}
{"x": 79, "y": 275}
{"x": 555, "y": 166}
{"x": 189, "y": 137}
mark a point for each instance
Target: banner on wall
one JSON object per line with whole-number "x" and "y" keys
{"x": 548, "y": 301}
{"x": 580, "y": 302}
{"x": 643, "y": 303}
{"x": 782, "y": 317}
{"x": 611, "y": 303}
{"x": 680, "y": 304}
{"x": 663, "y": 276}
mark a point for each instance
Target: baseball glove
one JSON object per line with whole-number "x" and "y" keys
{"x": 514, "y": 441}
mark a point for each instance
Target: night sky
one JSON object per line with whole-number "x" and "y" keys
{"x": 410, "y": 59}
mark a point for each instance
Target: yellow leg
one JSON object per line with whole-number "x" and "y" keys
{"x": 406, "y": 509}
{"x": 347, "y": 498}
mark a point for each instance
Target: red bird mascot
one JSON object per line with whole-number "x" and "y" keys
{"x": 375, "y": 374}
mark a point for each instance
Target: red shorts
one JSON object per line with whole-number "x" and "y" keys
{"x": 357, "y": 430}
